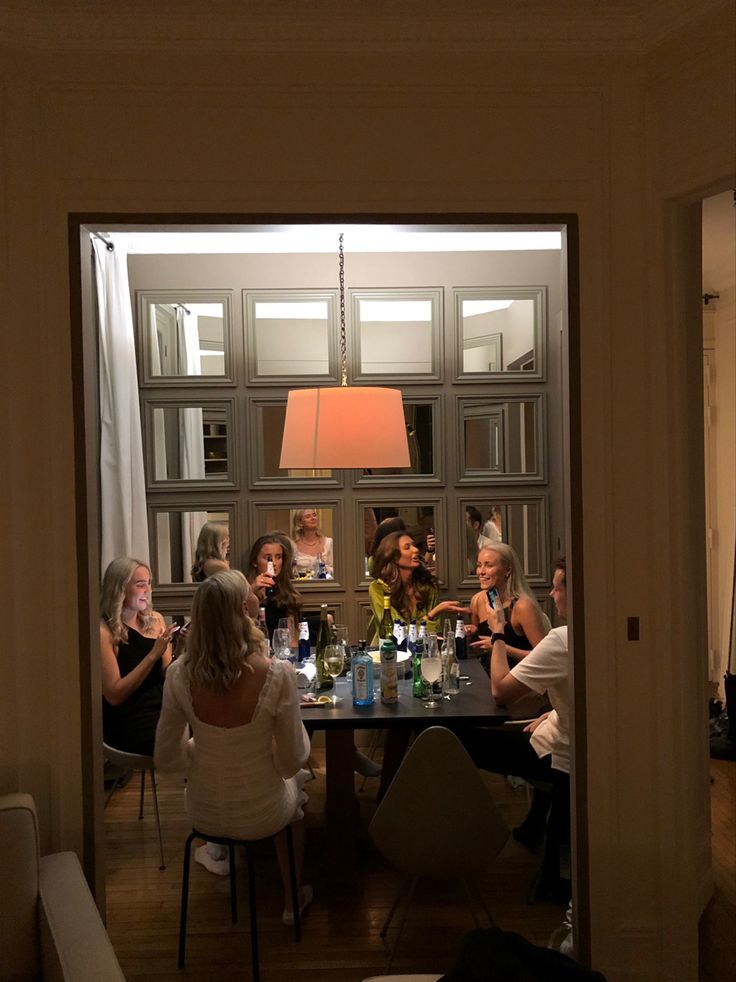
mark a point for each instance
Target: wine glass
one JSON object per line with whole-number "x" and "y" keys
{"x": 431, "y": 669}
{"x": 281, "y": 642}
{"x": 343, "y": 641}
{"x": 334, "y": 664}
{"x": 287, "y": 624}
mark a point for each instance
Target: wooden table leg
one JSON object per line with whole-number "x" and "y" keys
{"x": 341, "y": 805}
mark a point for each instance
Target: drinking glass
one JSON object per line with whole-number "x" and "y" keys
{"x": 287, "y": 624}
{"x": 343, "y": 641}
{"x": 334, "y": 664}
{"x": 431, "y": 670}
{"x": 281, "y": 642}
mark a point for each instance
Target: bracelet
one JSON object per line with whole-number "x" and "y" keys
{"x": 497, "y": 636}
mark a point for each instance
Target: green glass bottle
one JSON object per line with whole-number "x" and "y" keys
{"x": 386, "y": 629}
{"x": 418, "y": 685}
{"x": 324, "y": 680}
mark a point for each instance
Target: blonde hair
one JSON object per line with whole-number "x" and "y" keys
{"x": 209, "y": 542}
{"x": 297, "y": 527}
{"x": 516, "y": 583}
{"x": 118, "y": 576}
{"x": 222, "y": 635}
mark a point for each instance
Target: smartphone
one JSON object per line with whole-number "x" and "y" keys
{"x": 492, "y": 595}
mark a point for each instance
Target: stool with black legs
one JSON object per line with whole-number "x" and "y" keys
{"x": 248, "y": 845}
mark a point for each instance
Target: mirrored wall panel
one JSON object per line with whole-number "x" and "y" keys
{"x": 421, "y": 521}
{"x": 185, "y": 334}
{"x": 175, "y": 535}
{"x": 189, "y": 445}
{"x": 501, "y": 438}
{"x": 314, "y": 533}
{"x": 424, "y": 436}
{"x": 500, "y": 331}
{"x": 520, "y": 522}
{"x": 266, "y": 421}
{"x": 397, "y": 333}
{"x": 292, "y": 335}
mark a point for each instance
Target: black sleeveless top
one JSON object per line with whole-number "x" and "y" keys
{"x": 510, "y": 636}
{"x": 132, "y": 725}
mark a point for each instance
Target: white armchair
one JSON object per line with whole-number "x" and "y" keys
{"x": 50, "y": 928}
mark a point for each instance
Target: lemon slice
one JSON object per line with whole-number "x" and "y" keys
{"x": 324, "y": 700}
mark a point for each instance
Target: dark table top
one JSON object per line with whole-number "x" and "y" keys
{"x": 473, "y": 704}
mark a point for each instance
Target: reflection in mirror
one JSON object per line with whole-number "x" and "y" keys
{"x": 190, "y": 443}
{"x": 271, "y": 437}
{"x": 186, "y": 338}
{"x": 420, "y": 439}
{"x": 500, "y": 436}
{"x": 417, "y": 520}
{"x": 176, "y": 534}
{"x": 311, "y": 530}
{"x": 290, "y": 334}
{"x": 499, "y": 333}
{"x": 518, "y": 523}
{"x": 395, "y": 334}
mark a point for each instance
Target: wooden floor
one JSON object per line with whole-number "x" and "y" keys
{"x": 341, "y": 930}
{"x": 718, "y": 924}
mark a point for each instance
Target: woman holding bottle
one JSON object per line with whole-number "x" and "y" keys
{"x": 310, "y": 543}
{"x": 269, "y": 573}
{"x": 413, "y": 590}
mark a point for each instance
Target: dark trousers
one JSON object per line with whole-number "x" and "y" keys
{"x": 509, "y": 751}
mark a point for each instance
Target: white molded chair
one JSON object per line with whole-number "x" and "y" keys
{"x": 456, "y": 831}
{"x": 51, "y": 929}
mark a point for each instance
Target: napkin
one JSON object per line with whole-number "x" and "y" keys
{"x": 306, "y": 674}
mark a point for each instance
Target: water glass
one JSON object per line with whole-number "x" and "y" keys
{"x": 281, "y": 642}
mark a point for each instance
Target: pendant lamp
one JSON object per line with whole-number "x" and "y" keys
{"x": 344, "y": 425}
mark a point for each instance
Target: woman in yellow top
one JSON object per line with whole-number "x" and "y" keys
{"x": 399, "y": 573}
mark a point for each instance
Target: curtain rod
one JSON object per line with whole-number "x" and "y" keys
{"x": 110, "y": 246}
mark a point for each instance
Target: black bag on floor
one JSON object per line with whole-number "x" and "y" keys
{"x": 503, "y": 956}
{"x": 723, "y": 735}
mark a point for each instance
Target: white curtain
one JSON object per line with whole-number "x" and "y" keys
{"x": 122, "y": 482}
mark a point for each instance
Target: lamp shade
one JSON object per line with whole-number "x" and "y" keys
{"x": 344, "y": 426}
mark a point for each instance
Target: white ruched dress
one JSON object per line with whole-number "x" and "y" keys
{"x": 244, "y": 781}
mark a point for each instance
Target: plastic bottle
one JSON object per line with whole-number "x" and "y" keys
{"x": 389, "y": 676}
{"x": 361, "y": 666}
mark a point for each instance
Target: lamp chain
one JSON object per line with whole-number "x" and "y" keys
{"x": 343, "y": 339}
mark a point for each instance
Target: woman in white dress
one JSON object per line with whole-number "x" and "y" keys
{"x": 310, "y": 543}
{"x": 244, "y": 760}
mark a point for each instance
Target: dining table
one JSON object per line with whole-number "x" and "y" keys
{"x": 473, "y": 705}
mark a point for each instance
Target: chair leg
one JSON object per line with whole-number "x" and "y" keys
{"x": 233, "y": 885}
{"x": 114, "y": 788}
{"x": 387, "y": 923}
{"x": 158, "y": 819}
{"x": 473, "y": 891}
{"x": 402, "y": 922}
{"x": 253, "y": 914}
{"x": 184, "y": 899}
{"x": 295, "y": 899}
{"x": 143, "y": 788}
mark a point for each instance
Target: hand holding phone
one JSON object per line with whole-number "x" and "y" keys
{"x": 494, "y": 600}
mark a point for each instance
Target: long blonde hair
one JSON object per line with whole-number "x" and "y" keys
{"x": 516, "y": 583}
{"x": 112, "y": 597}
{"x": 209, "y": 546}
{"x": 297, "y": 524}
{"x": 222, "y": 635}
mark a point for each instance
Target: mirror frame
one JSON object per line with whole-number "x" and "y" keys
{"x": 538, "y": 294}
{"x": 539, "y": 476}
{"x": 438, "y": 451}
{"x": 251, "y": 297}
{"x": 173, "y": 594}
{"x": 440, "y": 518}
{"x": 228, "y": 480}
{"x": 436, "y": 297}
{"x": 503, "y": 498}
{"x": 256, "y": 405}
{"x": 145, "y": 297}
{"x": 258, "y": 507}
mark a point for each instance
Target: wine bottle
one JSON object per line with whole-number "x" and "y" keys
{"x": 461, "y": 647}
{"x": 361, "y": 666}
{"x": 386, "y": 629}
{"x": 270, "y": 590}
{"x": 263, "y": 627}
{"x": 411, "y": 640}
{"x": 304, "y": 649}
{"x": 324, "y": 680}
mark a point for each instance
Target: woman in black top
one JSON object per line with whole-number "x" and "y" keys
{"x": 135, "y": 648}
{"x": 275, "y": 592}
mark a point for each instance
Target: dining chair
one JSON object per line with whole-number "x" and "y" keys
{"x": 456, "y": 831}
{"x": 125, "y": 762}
{"x": 248, "y": 845}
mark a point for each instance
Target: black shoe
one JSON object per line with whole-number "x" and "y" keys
{"x": 529, "y": 837}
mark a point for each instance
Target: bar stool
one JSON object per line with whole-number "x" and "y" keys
{"x": 247, "y": 844}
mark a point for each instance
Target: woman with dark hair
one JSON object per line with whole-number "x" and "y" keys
{"x": 135, "y": 649}
{"x": 399, "y": 573}
{"x": 285, "y": 600}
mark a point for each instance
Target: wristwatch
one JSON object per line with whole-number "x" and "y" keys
{"x": 497, "y": 636}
